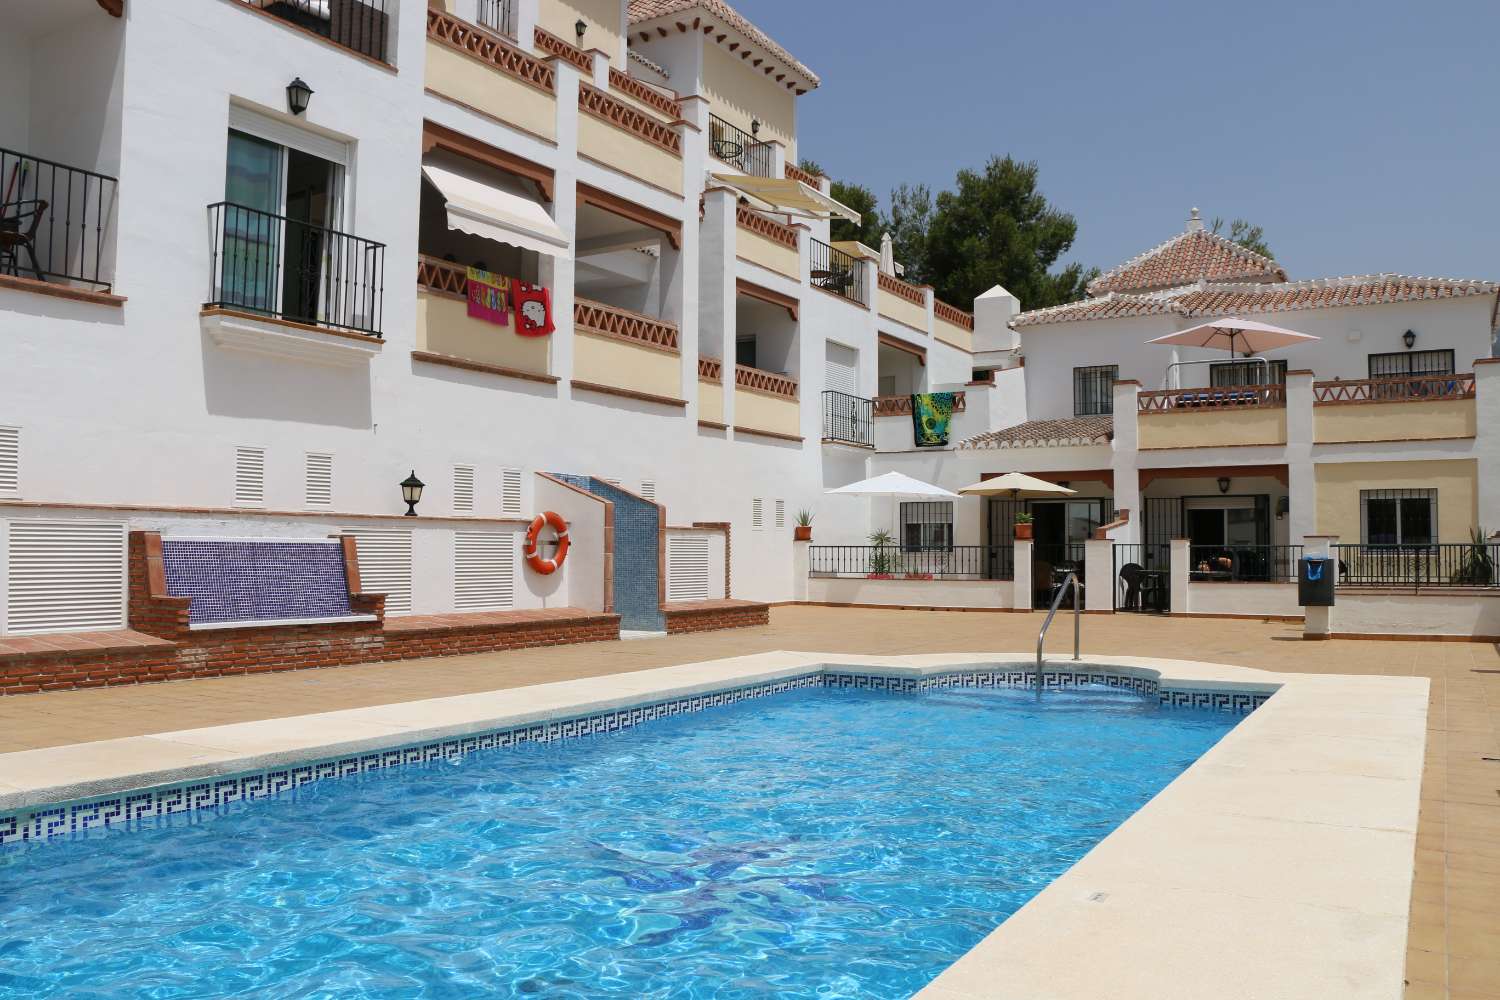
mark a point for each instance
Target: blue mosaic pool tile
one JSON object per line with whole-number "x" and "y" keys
{"x": 204, "y": 798}
{"x": 233, "y": 580}
{"x": 637, "y": 577}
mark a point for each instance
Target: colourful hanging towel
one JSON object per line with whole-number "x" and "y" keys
{"x": 487, "y": 297}
{"x": 533, "y": 309}
{"x": 931, "y": 413}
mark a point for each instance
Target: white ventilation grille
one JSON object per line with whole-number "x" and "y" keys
{"x": 385, "y": 565}
{"x": 612, "y": 482}
{"x": 484, "y": 570}
{"x": 757, "y": 513}
{"x": 510, "y": 492}
{"x": 463, "y": 489}
{"x": 648, "y": 490}
{"x": 781, "y": 513}
{"x": 687, "y": 567}
{"x": 318, "y": 480}
{"x": 65, "y": 576}
{"x": 250, "y": 476}
{"x": 10, "y": 461}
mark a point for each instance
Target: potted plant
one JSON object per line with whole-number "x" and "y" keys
{"x": 1476, "y": 567}
{"x": 1023, "y": 527}
{"x": 880, "y": 558}
{"x": 802, "y": 532}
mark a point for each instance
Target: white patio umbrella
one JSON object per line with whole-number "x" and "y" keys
{"x": 893, "y": 484}
{"x": 1235, "y": 334}
{"x": 1015, "y": 485}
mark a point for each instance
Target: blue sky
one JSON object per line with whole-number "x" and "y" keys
{"x": 1364, "y": 136}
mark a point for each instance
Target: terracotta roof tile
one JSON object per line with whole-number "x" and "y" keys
{"x": 1188, "y": 257}
{"x": 649, "y": 10}
{"x": 1045, "y": 433}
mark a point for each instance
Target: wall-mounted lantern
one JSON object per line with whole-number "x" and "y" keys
{"x": 755, "y": 127}
{"x": 579, "y": 27}
{"x": 1283, "y": 505}
{"x": 298, "y": 95}
{"x": 1409, "y": 338}
{"x": 411, "y": 493}
{"x": 1223, "y": 484}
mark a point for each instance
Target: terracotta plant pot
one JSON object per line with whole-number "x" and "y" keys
{"x": 1023, "y": 531}
{"x": 802, "y": 532}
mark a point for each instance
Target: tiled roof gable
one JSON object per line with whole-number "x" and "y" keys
{"x": 1195, "y": 255}
{"x": 642, "y": 11}
{"x": 1046, "y": 433}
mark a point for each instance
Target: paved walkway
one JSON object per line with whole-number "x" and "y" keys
{"x": 1455, "y": 928}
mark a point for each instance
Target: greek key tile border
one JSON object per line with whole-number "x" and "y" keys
{"x": 131, "y": 808}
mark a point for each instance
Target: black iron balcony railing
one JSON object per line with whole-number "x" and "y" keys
{"x": 56, "y": 221}
{"x": 295, "y": 270}
{"x": 499, "y": 16}
{"x": 1243, "y": 563}
{"x": 359, "y": 25}
{"x": 1450, "y": 564}
{"x": 835, "y": 271}
{"x": 895, "y": 562}
{"x": 846, "y": 418}
{"x": 738, "y": 148}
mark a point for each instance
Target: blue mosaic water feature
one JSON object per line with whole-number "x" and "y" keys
{"x": 825, "y": 842}
{"x": 637, "y": 551}
{"x": 233, "y": 580}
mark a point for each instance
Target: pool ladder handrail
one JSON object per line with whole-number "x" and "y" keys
{"x": 1071, "y": 578}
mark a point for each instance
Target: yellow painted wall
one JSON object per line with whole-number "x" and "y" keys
{"x": 779, "y": 257}
{"x": 738, "y": 92}
{"x": 639, "y": 105}
{"x": 615, "y": 362}
{"x": 1213, "y": 427}
{"x": 444, "y": 327}
{"x": 958, "y": 336}
{"x": 710, "y": 401}
{"x": 622, "y": 150}
{"x": 603, "y": 17}
{"x": 1339, "y": 483}
{"x": 1404, "y": 421}
{"x": 764, "y": 412}
{"x": 479, "y": 85}
{"x": 893, "y": 306}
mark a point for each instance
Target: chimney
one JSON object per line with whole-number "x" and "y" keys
{"x": 1195, "y": 224}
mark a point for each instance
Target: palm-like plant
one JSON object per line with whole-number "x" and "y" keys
{"x": 1477, "y": 569}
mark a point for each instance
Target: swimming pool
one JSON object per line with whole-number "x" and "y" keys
{"x": 816, "y": 843}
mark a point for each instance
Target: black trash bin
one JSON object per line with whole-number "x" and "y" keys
{"x": 1315, "y": 582}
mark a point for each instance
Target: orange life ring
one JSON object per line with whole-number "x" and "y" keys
{"x": 534, "y": 558}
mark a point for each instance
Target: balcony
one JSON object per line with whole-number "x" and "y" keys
{"x": 846, "y": 419}
{"x": 711, "y": 393}
{"x": 498, "y": 16}
{"x": 1421, "y": 408}
{"x": 903, "y": 302}
{"x": 475, "y": 68}
{"x": 732, "y": 145}
{"x": 56, "y": 223}
{"x": 835, "y": 271}
{"x": 617, "y": 134}
{"x": 619, "y": 352}
{"x": 765, "y": 404}
{"x": 361, "y": 26}
{"x": 762, "y": 240}
{"x": 447, "y": 335}
{"x": 295, "y": 271}
{"x": 1212, "y": 417}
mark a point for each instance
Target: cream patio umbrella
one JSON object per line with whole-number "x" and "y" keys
{"x": 1017, "y": 486}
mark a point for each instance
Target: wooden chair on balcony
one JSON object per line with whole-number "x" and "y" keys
{"x": 19, "y": 222}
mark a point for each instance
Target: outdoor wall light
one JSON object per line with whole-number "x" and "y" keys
{"x": 411, "y": 493}
{"x": 755, "y": 127}
{"x": 1223, "y": 484}
{"x": 298, "y": 94}
{"x": 1409, "y": 338}
{"x": 579, "y": 27}
{"x": 1283, "y": 504}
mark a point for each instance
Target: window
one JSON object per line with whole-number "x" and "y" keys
{"x": 744, "y": 351}
{"x": 1233, "y": 373}
{"x": 927, "y": 525}
{"x": 1400, "y": 364}
{"x": 1398, "y": 517}
{"x": 1094, "y": 390}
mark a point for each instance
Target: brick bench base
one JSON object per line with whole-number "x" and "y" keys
{"x": 710, "y": 616}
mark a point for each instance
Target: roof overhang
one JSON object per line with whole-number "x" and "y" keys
{"x": 496, "y": 208}
{"x": 788, "y": 196}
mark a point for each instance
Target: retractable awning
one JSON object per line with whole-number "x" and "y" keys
{"x": 786, "y": 195}
{"x": 497, "y": 208}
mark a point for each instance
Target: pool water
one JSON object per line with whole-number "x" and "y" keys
{"x": 820, "y": 843}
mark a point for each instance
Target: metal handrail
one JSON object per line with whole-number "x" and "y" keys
{"x": 1041, "y": 636}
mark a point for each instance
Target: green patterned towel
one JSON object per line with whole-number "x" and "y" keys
{"x": 930, "y": 415}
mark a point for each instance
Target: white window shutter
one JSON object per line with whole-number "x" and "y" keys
{"x": 484, "y": 570}
{"x": 510, "y": 492}
{"x": 780, "y": 513}
{"x": 10, "y": 461}
{"x": 249, "y": 477}
{"x": 65, "y": 576}
{"x": 463, "y": 489}
{"x": 757, "y": 513}
{"x": 841, "y": 373}
{"x": 385, "y": 565}
{"x": 687, "y": 567}
{"x": 318, "y": 480}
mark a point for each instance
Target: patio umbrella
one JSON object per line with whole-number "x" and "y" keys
{"x": 1235, "y": 334}
{"x": 1016, "y": 485}
{"x": 893, "y": 484}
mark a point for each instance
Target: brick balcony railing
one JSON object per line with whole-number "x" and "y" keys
{"x": 796, "y": 173}
{"x": 644, "y": 93}
{"x": 1394, "y": 390}
{"x": 762, "y": 381}
{"x": 563, "y": 49}
{"x": 711, "y": 369}
{"x": 897, "y": 406}
{"x": 628, "y": 117}
{"x": 911, "y": 293}
{"x": 442, "y": 276}
{"x": 612, "y": 321}
{"x": 486, "y": 47}
{"x": 764, "y": 226}
{"x": 952, "y": 314}
{"x": 1216, "y": 397}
